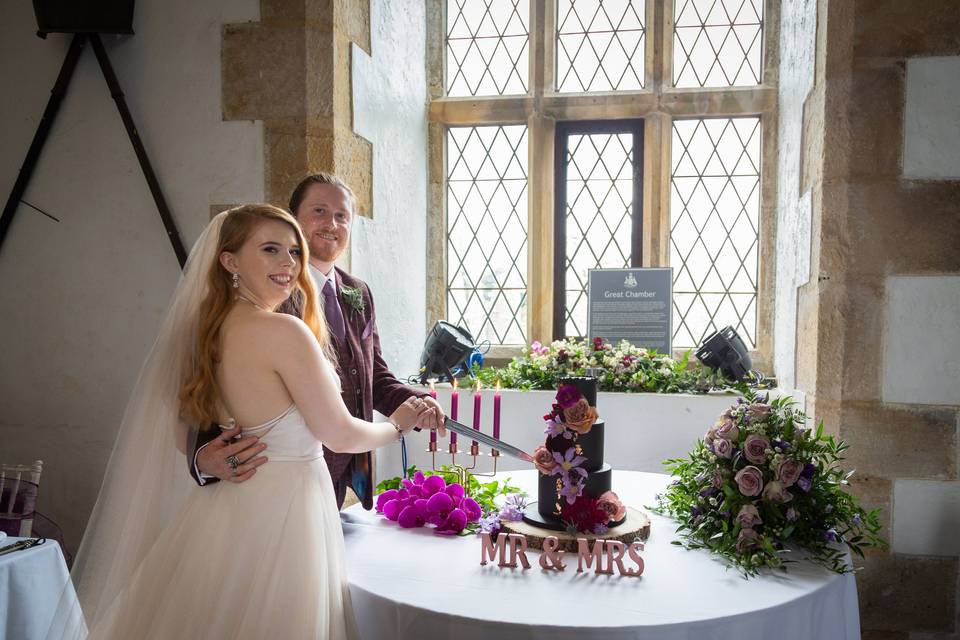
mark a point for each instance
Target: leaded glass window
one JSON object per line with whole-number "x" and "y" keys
{"x": 487, "y": 232}
{"x": 600, "y": 45}
{"x": 715, "y": 227}
{"x": 598, "y": 224}
{"x": 717, "y": 43}
{"x": 487, "y": 47}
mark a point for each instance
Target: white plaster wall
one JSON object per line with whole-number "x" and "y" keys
{"x": 82, "y": 298}
{"x": 798, "y": 30}
{"x": 931, "y": 126}
{"x": 927, "y": 516}
{"x": 390, "y": 110}
{"x": 921, "y": 353}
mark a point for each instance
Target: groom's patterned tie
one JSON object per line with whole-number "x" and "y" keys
{"x": 331, "y": 309}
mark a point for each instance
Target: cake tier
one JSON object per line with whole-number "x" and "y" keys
{"x": 591, "y": 446}
{"x": 597, "y": 483}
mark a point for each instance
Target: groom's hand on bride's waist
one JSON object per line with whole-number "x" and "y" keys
{"x": 229, "y": 459}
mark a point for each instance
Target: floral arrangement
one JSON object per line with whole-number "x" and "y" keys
{"x": 511, "y": 511}
{"x": 429, "y": 500}
{"x": 571, "y": 417}
{"x": 760, "y": 481}
{"x": 469, "y": 503}
{"x": 623, "y": 367}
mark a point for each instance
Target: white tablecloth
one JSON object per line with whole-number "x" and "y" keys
{"x": 31, "y": 584}
{"x": 417, "y": 585}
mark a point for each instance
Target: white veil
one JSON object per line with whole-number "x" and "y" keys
{"x": 146, "y": 479}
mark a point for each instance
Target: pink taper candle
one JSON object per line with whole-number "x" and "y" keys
{"x": 454, "y": 403}
{"x": 476, "y": 408}
{"x": 496, "y": 412}
{"x": 433, "y": 432}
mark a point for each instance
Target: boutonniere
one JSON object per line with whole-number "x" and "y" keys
{"x": 353, "y": 296}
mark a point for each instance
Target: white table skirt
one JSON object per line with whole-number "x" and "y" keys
{"x": 413, "y": 584}
{"x": 31, "y": 584}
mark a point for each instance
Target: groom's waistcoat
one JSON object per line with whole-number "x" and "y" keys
{"x": 367, "y": 384}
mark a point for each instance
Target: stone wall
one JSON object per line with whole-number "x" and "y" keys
{"x": 878, "y": 340}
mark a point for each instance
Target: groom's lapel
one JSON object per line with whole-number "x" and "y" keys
{"x": 349, "y": 314}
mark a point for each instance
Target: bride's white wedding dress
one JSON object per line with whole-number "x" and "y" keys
{"x": 263, "y": 559}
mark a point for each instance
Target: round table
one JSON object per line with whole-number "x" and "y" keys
{"x": 32, "y": 583}
{"x": 415, "y": 584}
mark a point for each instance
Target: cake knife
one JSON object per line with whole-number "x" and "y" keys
{"x": 490, "y": 441}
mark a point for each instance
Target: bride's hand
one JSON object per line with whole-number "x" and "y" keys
{"x": 409, "y": 414}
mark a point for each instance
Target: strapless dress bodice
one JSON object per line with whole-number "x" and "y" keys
{"x": 287, "y": 437}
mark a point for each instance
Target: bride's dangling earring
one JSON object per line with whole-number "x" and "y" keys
{"x": 236, "y": 281}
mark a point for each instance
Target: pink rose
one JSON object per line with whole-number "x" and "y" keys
{"x": 717, "y": 479}
{"x": 747, "y": 541}
{"x": 776, "y": 492}
{"x": 580, "y": 417}
{"x": 755, "y": 447}
{"x": 759, "y": 411}
{"x": 788, "y": 471}
{"x": 749, "y": 480}
{"x": 749, "y": 517}
{"x": 710, "y": 435}
{"x": 611, "y": 504}
{"x": 723, "y": 448}
{"x": 728, "y": 431}
{"x": 543, "y": 459}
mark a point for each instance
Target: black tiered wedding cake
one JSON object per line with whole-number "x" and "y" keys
{"x": 575, "y": 442}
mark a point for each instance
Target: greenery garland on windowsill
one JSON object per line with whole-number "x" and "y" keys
{"x": 623, "y": 367}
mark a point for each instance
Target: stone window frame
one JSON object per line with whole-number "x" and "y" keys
{"x": 658, "y": 104}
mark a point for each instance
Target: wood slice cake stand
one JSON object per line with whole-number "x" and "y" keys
{"x": 636, "y": 525}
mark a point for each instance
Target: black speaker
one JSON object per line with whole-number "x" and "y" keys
{"x": 83, "y": 16}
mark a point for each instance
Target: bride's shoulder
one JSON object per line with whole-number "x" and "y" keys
{"x": 275, "y": 330}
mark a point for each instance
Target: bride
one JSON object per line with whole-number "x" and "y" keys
{"x": 163, "y": 558}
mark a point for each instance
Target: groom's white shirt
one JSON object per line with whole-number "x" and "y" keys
{"x": 320, "y": 281}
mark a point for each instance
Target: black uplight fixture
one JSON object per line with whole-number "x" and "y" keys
{"x": 725, "y": 351}
{"x": 446, "y": 348}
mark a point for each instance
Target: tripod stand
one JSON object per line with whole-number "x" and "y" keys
{"x": 46, "y": 123}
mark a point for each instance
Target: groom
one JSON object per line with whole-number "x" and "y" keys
{"x": 324, "y": 206}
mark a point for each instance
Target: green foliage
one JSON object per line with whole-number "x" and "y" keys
{"x": 623, "y": 367}
{"x": 814, "y": 513}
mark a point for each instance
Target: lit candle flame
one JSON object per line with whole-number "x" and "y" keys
{"x": 498, "y": 386}
{"x": 431, "y": 385}
{"x": 477, "y": 388}
{"x": 454, "y": 384}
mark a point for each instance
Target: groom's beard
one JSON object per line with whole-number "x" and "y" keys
{"x": 325, "y": 250}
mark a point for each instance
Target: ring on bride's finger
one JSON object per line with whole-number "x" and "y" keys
{"x": 234, "y": 462}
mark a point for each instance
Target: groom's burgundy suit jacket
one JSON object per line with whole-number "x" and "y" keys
{"x": 367, "y": 384}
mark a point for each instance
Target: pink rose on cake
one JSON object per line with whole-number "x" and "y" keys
{"x": 544, "y": 461}
{"x": 580, "y": 417}
{"x": 755, "y": 448}
{"x": 749, "y": 480}
{"x": 610, "y": 503}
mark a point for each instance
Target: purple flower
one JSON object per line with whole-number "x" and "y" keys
{"x": 804, "y": 483}
{"x": 600, "y": 529}
{"x": 570, "y": 491}
{"x": 792, "y": 514}
{"x": 568, "y": 395}
{"x": 454, "y": 523}
{"x": 490, "y": 524}
{"x": 555, "y": 429}
{"x": 569, "y": 463}
{"x": 830, "y": 535}
{"x": 749, "y": 480}
{"x": 808, "y": 470}
{"x": 857, "y": 520}
{"x": 694, "y": 512}
{"x": 709, "y": 491}
{"x": 749, "y": 516}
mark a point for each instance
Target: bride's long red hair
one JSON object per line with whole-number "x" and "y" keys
{"x": 200, "y": 403}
